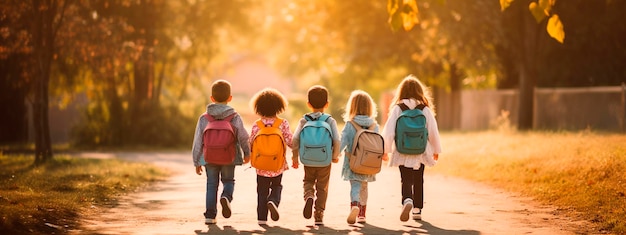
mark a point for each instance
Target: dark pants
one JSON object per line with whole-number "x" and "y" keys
{"x": 316, "y": 183}
{"x": 413, "y": 185}
{"x": 267, "y": 189}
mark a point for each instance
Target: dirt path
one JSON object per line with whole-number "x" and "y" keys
{"x": 452, "y": 206}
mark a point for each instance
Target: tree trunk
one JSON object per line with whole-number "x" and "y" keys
{"x": 43, "y": 39}
{"x": 455, "y": 90}
{"x": 527, "y": 70}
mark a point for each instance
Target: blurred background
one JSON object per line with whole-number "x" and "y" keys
{"x": 129, "y": 73}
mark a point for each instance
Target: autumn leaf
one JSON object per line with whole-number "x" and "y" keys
{"x": 402, "y": 14}
{"x": 504, "y": 4}
{"x": 537, "y": 11}
{"x": 555, "y": 28}
{"x": 409, "y": 14}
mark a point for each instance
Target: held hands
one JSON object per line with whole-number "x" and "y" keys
{"x": 436, "y": 156}
{"x": 199, "y": 170}
{"x": 335, "y": 160}
{"x": 386, "y": 157}
{"x": 246, "y": 159}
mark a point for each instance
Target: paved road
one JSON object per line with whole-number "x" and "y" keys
{"x": 452, "y": 206}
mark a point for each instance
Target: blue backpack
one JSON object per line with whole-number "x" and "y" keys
{"x": 316, "y": 142}
{"x": 411, "y": 132}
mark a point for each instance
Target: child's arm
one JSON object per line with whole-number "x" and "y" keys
{"x": 336, "y": 139}
{"x": 336, "y": 150}
{"x": 196, "y": 149}
{"x": 385, "y": 156}
{"x": 242, "y": 138}
{"x": 389, "y": 129}
{"x": 294, "y": 159}
{"x": 253, "y": 131}
{"x": 433, "y": 132}
{"x": 295, "y": 144}
{"x": 346, "y": 137}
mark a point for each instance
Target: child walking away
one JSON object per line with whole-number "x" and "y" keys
{"x": 268, "y": 138}
{"x": 219, "y": 142}
{"x": 316, "y": 142}
{"x": 361, "y": 111}
{"x": 413, "y": 144}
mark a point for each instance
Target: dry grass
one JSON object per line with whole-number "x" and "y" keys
{"x": 582, "y": 173}
{"x": 48, "y": 199}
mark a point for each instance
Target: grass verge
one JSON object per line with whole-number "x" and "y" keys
{"x": 581, "y": 173}
{"x": 49, "y": 198}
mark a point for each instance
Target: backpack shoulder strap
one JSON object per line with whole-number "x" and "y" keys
{"x": 372, "y": 127}
{"x": 230, "y": 117}
{"x": 208, "y": 117}
{"x": 356, "y": 126}
{"x": 308, "y": 117}
{"x": 403, "y": 106}
{"x": 277, "y": 122}
{"x": 324, "y": 117}
{"x": 421, "y": 106}
{"x": 260, "y": 124}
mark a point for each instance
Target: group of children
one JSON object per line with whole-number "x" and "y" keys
{"x": 360, "y": 109}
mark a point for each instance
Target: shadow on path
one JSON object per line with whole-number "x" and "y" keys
{"x": 428, "y": 228}
{"x": 422, "y": 228}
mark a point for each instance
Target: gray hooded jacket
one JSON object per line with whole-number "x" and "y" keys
{"x": 221, "y": 111}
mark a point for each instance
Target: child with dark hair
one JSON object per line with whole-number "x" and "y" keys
{"x": 219, "y": 109}
{"x": 268, "y": 103}
{"x": 316, "y": 176}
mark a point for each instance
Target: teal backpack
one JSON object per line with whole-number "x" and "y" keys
{"x": 411, "y": 132}
{"x": 316, "y": 142}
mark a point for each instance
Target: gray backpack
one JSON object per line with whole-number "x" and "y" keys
{"x": 367, "y": 150}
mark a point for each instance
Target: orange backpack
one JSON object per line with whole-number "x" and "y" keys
{"x": 268, "y": 147}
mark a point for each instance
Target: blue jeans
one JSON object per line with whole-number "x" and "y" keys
{"x": 268, "y": 189}
{"x": 358, "y": 191}
{"x": 213, "y": 173}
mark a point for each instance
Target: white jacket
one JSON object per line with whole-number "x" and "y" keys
{"x": 411, "y": 161}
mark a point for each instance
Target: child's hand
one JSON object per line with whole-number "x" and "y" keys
{"x": 294, "y": 163}
{"x": 199, "y": 170}
{"x": 436, "y": 156}
{"x": 246, "y": 159}
{"x": 386, "y": 157}
{"x": 335, "y": 160}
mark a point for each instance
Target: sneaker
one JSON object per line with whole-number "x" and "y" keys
{"x": 273, "y": 210}
{"x": 417, "y": 213}
{"x": 262, "y": 222}
{"x": 225, "y": 207}
{"x": 319, "y": 217}
{"x": 308, "y": 208}
{"x": 354, "y": 211}
{"x": 208, "y": 221}
{"x": 406, "y": 209}
{"x": 361, "y": 217}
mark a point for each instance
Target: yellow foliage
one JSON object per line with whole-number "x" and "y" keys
{"x": 555, "y": 28}
{"x": 537, "y": 11}
{"x": 504, "y": 4}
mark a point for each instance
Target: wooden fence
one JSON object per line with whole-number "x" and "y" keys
{"x": 596, "y": 108}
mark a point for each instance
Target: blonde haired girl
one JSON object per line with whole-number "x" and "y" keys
{"x": 360, "y": 109}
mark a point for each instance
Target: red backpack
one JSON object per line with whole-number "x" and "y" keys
{"x": 218, "y": 141}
